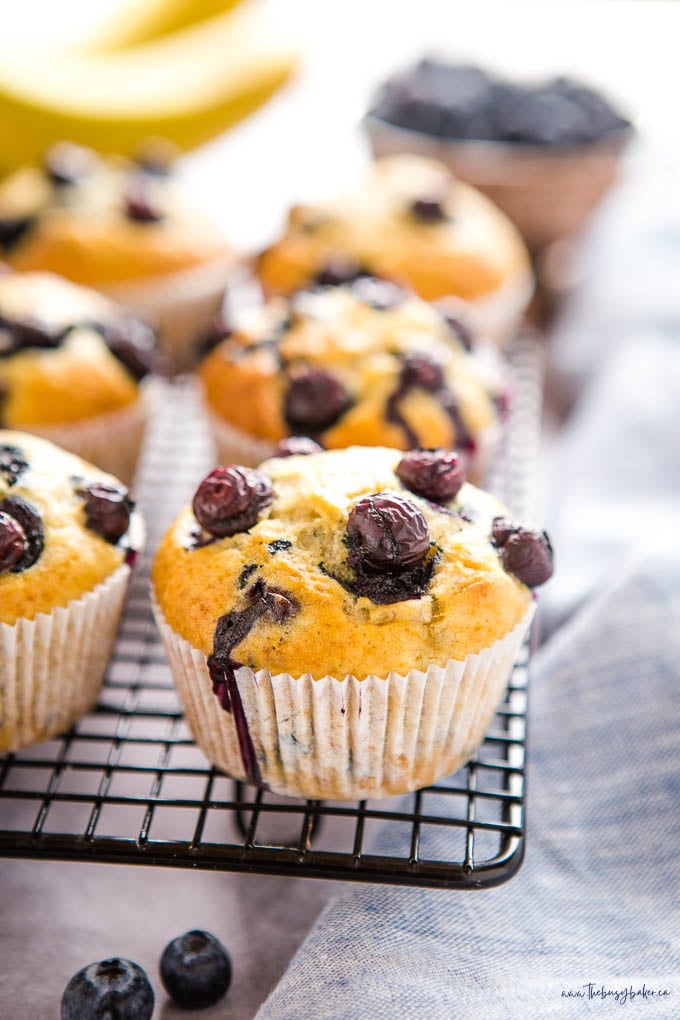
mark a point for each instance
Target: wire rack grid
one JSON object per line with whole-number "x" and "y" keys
{"x": 127, "y": 784}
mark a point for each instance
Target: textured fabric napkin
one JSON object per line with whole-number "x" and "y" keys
{"x": 591, "y": 924}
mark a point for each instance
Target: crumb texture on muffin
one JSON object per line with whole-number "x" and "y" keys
{"x": 441, "y": 597}
{"x": 408, "y": 220}
{"x": 45, "y": 490}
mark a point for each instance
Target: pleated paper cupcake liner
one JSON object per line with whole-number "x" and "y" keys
{"x": 180, "y": 305}
{"x": 52, "y": 667}
{"x": 111, "y": 441}
{"x": 498, "y": 315}
{"x": 350, "y": 738}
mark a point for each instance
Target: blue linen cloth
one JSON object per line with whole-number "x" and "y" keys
{"x": 591, "y": 924}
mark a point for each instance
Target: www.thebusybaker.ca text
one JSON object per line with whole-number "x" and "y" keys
{"x": 621, "y": 995}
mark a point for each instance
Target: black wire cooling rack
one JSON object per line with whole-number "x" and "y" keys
{"x": 128, "y": 785}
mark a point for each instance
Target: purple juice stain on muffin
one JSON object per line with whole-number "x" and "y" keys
{"x": 524, "y": 552}
{"x": 232, "y": 628}
{"x": 315, "y": 400}
{"x": 12, "y": 464}
{"x": 230, "y": 499}
{"x": 30, "y": 534}
{"x": 421, "y": 371}
{"x": 390, "y": 552}
{"x": 296, "y": 446}
{"x": 107, "y": 510}
{"x": 438, "y": 475}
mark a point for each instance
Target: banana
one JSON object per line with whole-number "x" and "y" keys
{"x": 141, "y": 21}
{"x": 187, "y": 87}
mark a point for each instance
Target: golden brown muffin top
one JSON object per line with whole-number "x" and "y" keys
{"x": 362, "y": 363}
{"x": 101, "y": 220}
{"x": 408, "y": 220}
{"x": 331, "y": 564}
{"x": 64, "y": 526}
{"x": 66, "y": 353}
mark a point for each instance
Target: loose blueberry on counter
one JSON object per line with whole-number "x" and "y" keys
{"x": 113, "y": 989}
{"x": 438, "y": 475}
{"x": 12, "y": 542}
{"x": 195, "y": 970}
{"x": 230, "y": 499}
{"x": 386, "y": 532}
{"x": 296, "y": 446}
{"x": 315, "y": 399}
{"x": 107, "y": 510}
{"x": 12, "y": 464}
{"x": 66, "y": 163}
{"x": 524, "y": 552}
{"x": 31, "y": 526}
{"x": 139, "y": 200}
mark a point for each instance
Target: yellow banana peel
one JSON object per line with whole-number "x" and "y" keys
{"x": 141, "y": 21}
{"x": 187, "y": 87}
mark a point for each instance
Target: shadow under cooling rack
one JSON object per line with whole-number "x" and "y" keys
{"x": 128, "y": 785}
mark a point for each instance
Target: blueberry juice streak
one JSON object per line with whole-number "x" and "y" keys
{"x": 230, "y": 631}
{"x": 419, "y": 371}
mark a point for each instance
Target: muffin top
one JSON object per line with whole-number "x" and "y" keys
{"x": 362, "y": 363}
{"x": 359, "y": 561}
{"x": 99, "y": 221}
{"x": 66, "y": 353}
{"x": 64, "y": 526}
{"x": 409, "y": 220}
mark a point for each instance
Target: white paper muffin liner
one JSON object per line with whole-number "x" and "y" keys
{"x": 111, "y": 441}
{"x": 181, "y": 305}
{"x": 351, "y": 738}
{"x": 52, "y": 667}
{"x": 234, "y": 446}
{"x": 499, "y": 315}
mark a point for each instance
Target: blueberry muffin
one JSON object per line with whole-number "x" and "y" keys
{"x": 74, "y": 368}
{"x": 122, "y": 227}
{"x": 342, "y": 624}
{"x": 409, "y": 220}
{"x": 68, "y": 539}
{"x": 364, "y": 363}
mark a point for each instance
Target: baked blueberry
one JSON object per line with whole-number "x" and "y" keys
{"x": 315, "y": 399}
{"x": 339, "y": 270}
{"x": 435, "y": 474}
{"x": 379, "y": 294}
{"x": 66, "y": 163}
{"x": 133, "y": 342}
{"x": 12, "y": 542}
{"x": 195, "y": 970}
{"x": 12, "y": 229}
{"x": 110, "y": 990}
{"x": 429, "y": 209}
{"x": 296, "y": 446}
{"x": 12, "y": 464}
{"x": 458, "y": 327}
{"x": 386, "y": 532}
{"x": 423, "y": 371}
{"x": 230, "y": 499}
{"x": 139, "y": 202}
{"x": 30, "y": 332}
{"x": 107, "y": 510}
{"x": 524, "y": 552}
{"x": 31, "y": 526}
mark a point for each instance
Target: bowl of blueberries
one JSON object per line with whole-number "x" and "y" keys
{"x": 545, "y": 152}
